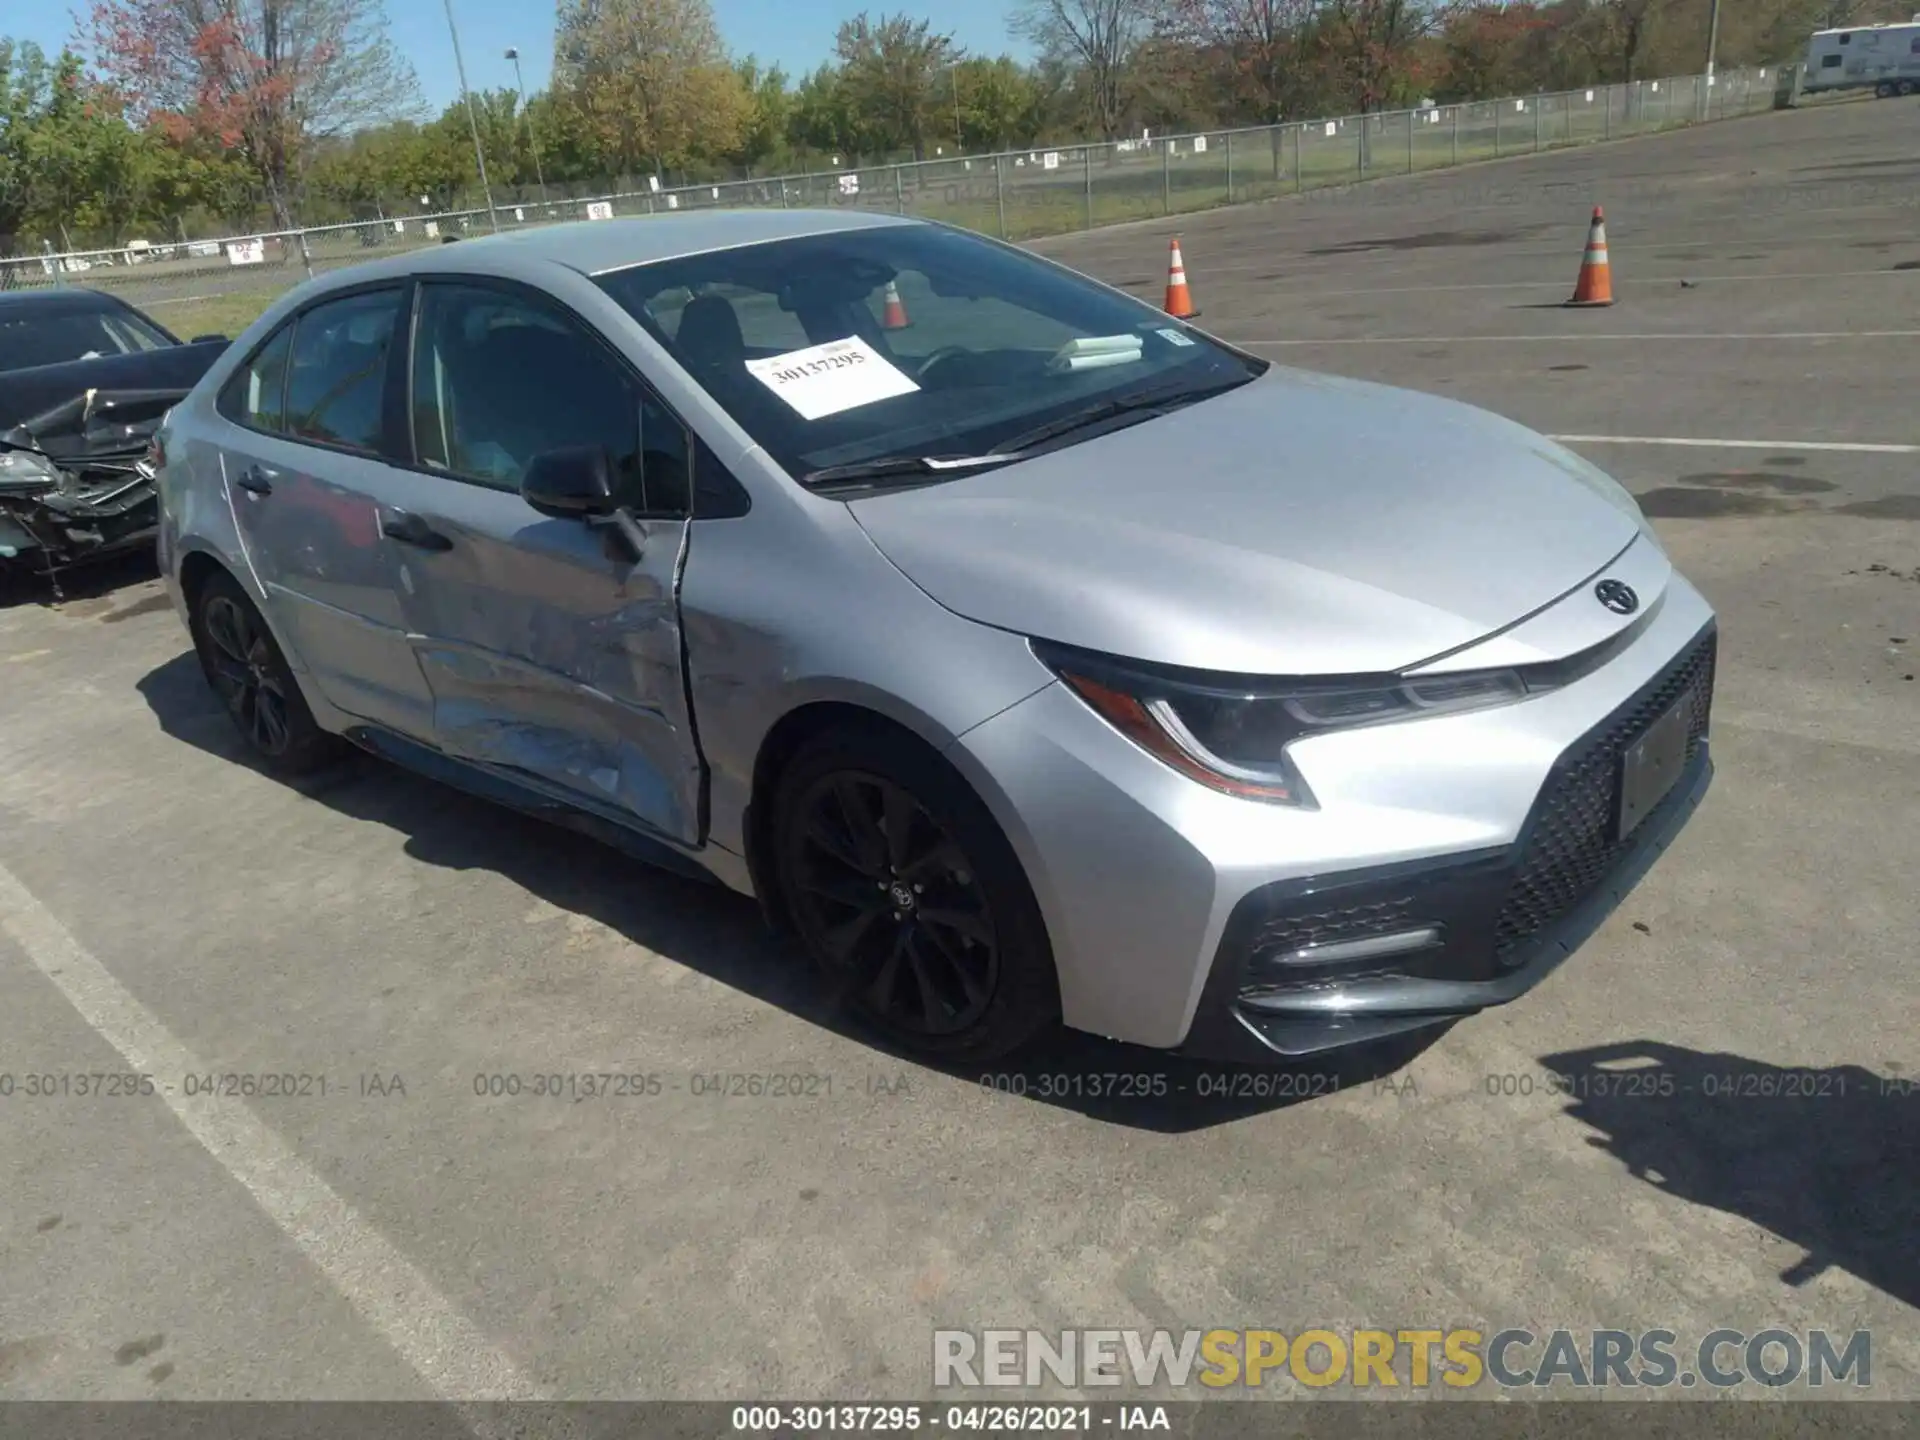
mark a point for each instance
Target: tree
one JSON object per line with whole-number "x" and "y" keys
{"x": 1265, "y": 41}
{"x": 764, "y": 135}
{"x": 1372, "y": 46}
{"x": 268, "y": 78}
{"x": 1102, "y": 36}
{"x": 650, "y": 80}
{"x": 26, "y": 95}
{"x": 997, "y": 104}
{"x": 889, "y": 69}
{"x": 1485, "y": 50}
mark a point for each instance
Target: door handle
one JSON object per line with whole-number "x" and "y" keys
{"x": 412, "y": 530}
{"x": 256, "y": 480}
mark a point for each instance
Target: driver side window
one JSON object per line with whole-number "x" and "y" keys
{"x": 499, "y": 378}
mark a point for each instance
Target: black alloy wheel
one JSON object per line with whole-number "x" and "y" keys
{"x": 909, "y": 899}
{"x": 243, "y": 676}
{"x": 887, "y": 898}
{"x": 243, "y": 664}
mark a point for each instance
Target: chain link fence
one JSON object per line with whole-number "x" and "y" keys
{"x": 1017, "y": 195}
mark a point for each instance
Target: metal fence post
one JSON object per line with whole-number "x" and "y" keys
{"x": 1537, "y": 107}
{"x": 1496, "y": 128}
{"x": 1000, "y": 191}
{"x": 1229, "y": 167}
{"x": 1456, "y": 134}
{"x": 1086, "y": 168}
{"x": 1299, "y": 177}
{"x": 1410, "y": 115}
{"x": 899, "y": 195}
{"x": 306, "y": 259}
{"x": 1166, "y": 177}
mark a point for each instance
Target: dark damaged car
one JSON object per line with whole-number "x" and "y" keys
{"x": 85, "y": 380}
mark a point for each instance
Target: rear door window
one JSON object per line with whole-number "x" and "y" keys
{"x": 256, "y": 394}
{"x": 336, "y": 380}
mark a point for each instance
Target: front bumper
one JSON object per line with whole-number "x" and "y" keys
{"x": 1502, "y": 919}
{"x": 1491, "y": 830}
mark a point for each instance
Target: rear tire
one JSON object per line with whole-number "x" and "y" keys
{"x": 255, "y": 685}
{"x": 907, "y": 896}
{"x": 1883, "y": 91}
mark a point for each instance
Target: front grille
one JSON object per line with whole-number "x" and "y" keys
{"x": 1572, "y": 847}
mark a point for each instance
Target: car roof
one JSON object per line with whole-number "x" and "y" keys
{"x": 60, "y": 300}
{"x": 595, "y": 247}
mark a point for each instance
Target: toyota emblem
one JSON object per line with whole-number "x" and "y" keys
{"x": 1617, "y": 597}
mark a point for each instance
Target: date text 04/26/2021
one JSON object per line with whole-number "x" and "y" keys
{"x": 993, "y": 1419}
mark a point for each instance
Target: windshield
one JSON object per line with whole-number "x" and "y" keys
{"x": 53, "y": 337}
{"x": 909, "y": 341}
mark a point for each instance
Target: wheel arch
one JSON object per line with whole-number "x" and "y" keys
{"x": 783, "y": 741}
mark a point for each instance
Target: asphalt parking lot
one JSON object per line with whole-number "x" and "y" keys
{"x": 167, "y": 910}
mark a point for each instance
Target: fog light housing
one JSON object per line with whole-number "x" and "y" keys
{"x": 1377, "y": 940}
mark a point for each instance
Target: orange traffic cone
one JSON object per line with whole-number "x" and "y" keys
{"x": 1179, "y": 303}
{"x": 895, "y": 315}
{"x": 1595, "y": 286}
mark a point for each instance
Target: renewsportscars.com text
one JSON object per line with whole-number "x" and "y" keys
{"x": 1414, "y": 1358}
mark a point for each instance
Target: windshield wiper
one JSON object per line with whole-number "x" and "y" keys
{"x": 1142, "y": 404}
{"x": 886, "y": 466}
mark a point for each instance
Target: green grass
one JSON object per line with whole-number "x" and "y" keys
{"x": 211, "y": 314}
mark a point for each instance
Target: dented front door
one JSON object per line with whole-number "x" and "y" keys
{"x": 551, "y": 646}
{"x": 550, "y": 650}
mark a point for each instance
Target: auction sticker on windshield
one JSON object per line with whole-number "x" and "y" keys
{"x": 826, "y": 379}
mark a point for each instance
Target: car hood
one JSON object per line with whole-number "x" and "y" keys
{"x": 1298, "y": 525}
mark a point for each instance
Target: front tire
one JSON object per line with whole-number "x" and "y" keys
{"x": 256, "y": 687}
{"x": 907, "y": 896}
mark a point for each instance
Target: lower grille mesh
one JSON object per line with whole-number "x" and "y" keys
{"x": 1572, "y": 846}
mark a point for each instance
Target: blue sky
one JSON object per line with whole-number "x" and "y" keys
{"x": 797, "y": 34}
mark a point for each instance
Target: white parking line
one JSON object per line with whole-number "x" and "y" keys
{"x": 1577, "y": 336}
{"x": 445, "y": 1348}
{"x": 1635, "y": 281}
{"x": 1854, "y": 447}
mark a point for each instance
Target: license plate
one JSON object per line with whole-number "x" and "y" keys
{"x": 1653, "y": 763}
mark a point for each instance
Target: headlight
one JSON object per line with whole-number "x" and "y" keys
{"x": 27, "y": 472}
{"x": 1232, "y": 733}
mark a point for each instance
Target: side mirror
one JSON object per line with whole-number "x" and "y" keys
{"x": 212, "y": 339}
{"x": 570, "y": 484}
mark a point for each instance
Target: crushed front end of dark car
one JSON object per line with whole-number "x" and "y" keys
{"x": 75, "y": 483}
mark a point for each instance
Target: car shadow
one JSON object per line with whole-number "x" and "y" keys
{"x": 709, "y": 929}
{"x": 1827, "y": 1159}
{"x": 91, "y": 582}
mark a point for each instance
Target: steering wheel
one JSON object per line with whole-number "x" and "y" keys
{"x": 945, "y": 352}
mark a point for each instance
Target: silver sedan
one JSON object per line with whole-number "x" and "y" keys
{"x": 1027, "y": 653}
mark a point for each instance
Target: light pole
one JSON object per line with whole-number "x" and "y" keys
{"x": 533, "y": 140}
{"x": 953, "y": 74}
{"x": 479, "y": 153}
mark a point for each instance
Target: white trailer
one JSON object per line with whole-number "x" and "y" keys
{"x": 1886, "y": 57}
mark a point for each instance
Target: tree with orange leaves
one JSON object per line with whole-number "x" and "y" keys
{"x": 264, "y": 79}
